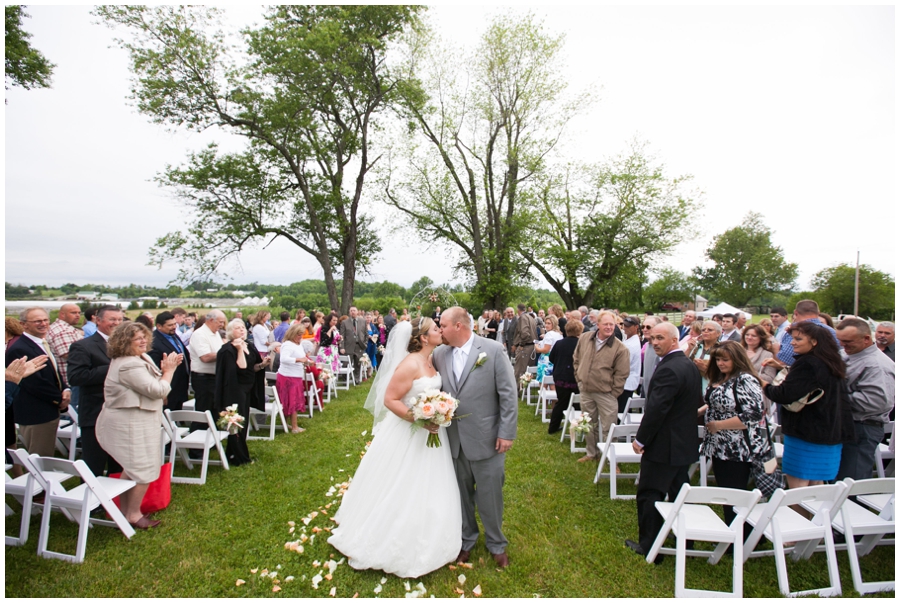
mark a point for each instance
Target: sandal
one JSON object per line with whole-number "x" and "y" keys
{"x": 297, "y": 430}
{"x": 145, "y": 523}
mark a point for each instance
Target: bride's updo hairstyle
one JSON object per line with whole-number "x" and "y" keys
{"x": 420, "y": 326}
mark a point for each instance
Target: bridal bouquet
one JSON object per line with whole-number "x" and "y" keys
{"x": 435, "y": 407}
{"x": 325, "y": 374}
{"x": 230, "y": 420}
{"x": 524, "y": 379}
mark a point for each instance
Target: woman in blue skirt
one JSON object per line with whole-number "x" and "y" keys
{"x": 813, "y": 436}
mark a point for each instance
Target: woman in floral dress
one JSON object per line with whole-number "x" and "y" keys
{"x": 328, "y": 339}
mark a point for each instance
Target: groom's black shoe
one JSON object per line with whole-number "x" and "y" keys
{"x": 463, "y": 556}
{"x": 637, "y": 548}
{"x": 501, "y": 558}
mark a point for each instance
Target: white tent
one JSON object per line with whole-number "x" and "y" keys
{"x": 723, "y": 308}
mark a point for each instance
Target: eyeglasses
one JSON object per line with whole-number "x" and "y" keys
{"x": 39, "y": 321}
{"x": 647, "y": 327}
{"x": 707, "y": 330}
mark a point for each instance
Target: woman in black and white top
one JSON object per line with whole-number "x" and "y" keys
{"x": 734, "y": 436}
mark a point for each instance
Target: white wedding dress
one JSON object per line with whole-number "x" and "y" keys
{"x": 401, "y": 513}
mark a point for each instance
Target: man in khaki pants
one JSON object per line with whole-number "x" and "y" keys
{"x": 602, "y": 364}
{"x": 523, "y": 335}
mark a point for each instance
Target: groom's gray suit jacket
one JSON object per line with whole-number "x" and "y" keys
{"x": 486, "y": 393}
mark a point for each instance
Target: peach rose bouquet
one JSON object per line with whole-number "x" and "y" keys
{"x": 435, "y": 407}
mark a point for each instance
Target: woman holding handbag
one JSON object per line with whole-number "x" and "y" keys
{"x": 735, "y": 440}
{"x": 815, "y": 417}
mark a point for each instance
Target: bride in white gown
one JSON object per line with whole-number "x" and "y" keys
{"x": 401, "y": 513}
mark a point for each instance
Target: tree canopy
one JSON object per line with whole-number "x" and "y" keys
{"x": 834, "y": 288}
{"x": 306, "y": 95}
{"x": 746, "y": 264}
{"x": 26, "y": 67}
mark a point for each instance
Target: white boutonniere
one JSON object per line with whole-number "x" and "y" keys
{"x": 482, "y": 358}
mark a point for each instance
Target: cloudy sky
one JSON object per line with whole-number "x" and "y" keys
{"x": 786, "y": 111}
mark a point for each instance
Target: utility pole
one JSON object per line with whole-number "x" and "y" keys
{"x": 856, "y": 287}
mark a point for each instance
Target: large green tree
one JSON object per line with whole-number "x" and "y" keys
{"x": 305, "y": 95}
{"x": 745, "y": 264}
{"x": 26, "y": 67}
{"x": 670, "y": 286}
{"x": 834, "y": 289}
{"x": 592, "y": 227}
{"x": 480, "y": 128}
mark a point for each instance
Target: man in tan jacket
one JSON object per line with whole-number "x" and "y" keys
{"x": 602, "y": 364}
{"x": 524, "y": 333}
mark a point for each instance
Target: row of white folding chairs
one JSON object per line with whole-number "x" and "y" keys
{"x": 45, "y": 474}
{"x": 831, "y": 507}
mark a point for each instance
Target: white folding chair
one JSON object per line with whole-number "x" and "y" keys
{"x": 618, "y": 452}
{"x": 855, "y": 520}
{"x": 690, "y": 519}
{"x": 67, "y": 436}
{"x": 533, "y": 384}
{"x": 779, "y": 523}
{"x": 166, "y": 437}
{"x": 626, "y": 417}
{"x": 885, "y": 452}
{"x": 189, "y": 404}
{"x": 545, "y": 397}
{"x": 313, "y": 397}
{"x": 202, "y": 439}
{"x": 569, "y": 414}
{"x": 23, "y": 488}
{"x": 346, "y": 371}
{"x": 703, "y": 463}
{"x": 273, "y": 411}
{"x": 79, "y": 501}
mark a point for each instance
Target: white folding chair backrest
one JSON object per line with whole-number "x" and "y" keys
{"x": 615, "y": 452}
{"x": 691, "y": 519}
{"x": 23, "y": 488}
{"x": 79, "y": 501}
{"x": 629, "y": 418}
{"x": 885, "y": 452}
{"x": 67, "y": 436}
{"x": 273, "y": 410}
{"x": 780, "y": 523}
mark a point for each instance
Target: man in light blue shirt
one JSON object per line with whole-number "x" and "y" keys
{"x": 806, "y": 310}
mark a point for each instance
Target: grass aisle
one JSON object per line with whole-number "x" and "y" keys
{"x": 566, "y": 536}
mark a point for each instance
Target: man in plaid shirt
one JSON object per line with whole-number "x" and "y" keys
{"x": 63, "y": 334}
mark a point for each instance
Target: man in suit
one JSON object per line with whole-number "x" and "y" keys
{"x": 729, "y": 331}
{"x": 689, "y": 317}
{"x": 476, "y": 371}
{"x": 667, "y": 437}
{"x": 509, "y": 331}
{"x": 41, "y": 397}
{"x": 88, "y": 365}
{"x": 353, "y": 338}
{"x": 390, "y": 321}
{"x": 167, "y": 341}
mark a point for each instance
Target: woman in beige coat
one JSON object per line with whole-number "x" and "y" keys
{"x": 129, "y": 423}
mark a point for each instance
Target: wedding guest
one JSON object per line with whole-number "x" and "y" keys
{"x": 290, "y": 381}
{"x": 826, "y": 318}
{"x": 90, "y": 324}
{"x": 734, "y": 437}
{"x": 631, "y": 326}
{"x": 771, "y": 330}
{"x": 128, "y": 425}
{"x": 813, "y": 436}
{"x": 755, "y": 340}
{"x": 372, "y": 339}
{"x": 282, "y": 327}
{"x": 690, "y": 340}
{"x": 240, "y": 380}
{"x": 562, "y": 359}
{"x": 699, "y": 353}
{"x": 550, "y": 337}
{"x": 492, "y": 324}
{"x": 328, "y": 340}
{"x": 382, "y": 339}
{"x": 260, "y": 333}
{"x": 146, "y": 321}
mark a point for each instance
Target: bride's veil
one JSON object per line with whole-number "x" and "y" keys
{"x": 394, "y": 353}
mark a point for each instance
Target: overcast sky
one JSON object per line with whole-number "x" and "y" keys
{"x": 786, "y": 111}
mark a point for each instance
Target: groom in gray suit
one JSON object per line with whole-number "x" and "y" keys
{"x": 477, "y": 372}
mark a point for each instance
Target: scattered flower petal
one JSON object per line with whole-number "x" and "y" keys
{"x": 240, "y": 582}
{"x": 466, "y": 565}
{"x": 406, "y": 586}
{"x": 254, "y": 570}
{"x": 459, "y": 591}
{"x": 333, "y": 591}
{"x": 315, "y": 580}
{"x": 328, "y": 577}
{"x": 316, "y": 530}
{"x": 477, "y": 591}
{"x": 276, "y": 588}
{"x": 462, "y": 579}
{"x": 291, "y": 531}
{"x": 365, "y": 432}
{"x": 384, "y": 580}
{"x": 413, "y": 595}
{"x": 421, "y": 588}
{"x": 289, "y": 579}
{"x": 291, "y": 523}
{"x": 354, "y": 594}
{"x": 278, "y": 566}
{"x": 316, "y": 563}
{"x": 332, "y": 565}
{"x": 451, "y": 566}
{"x": 377, "y": 589}
{"x": 306, "y": 521}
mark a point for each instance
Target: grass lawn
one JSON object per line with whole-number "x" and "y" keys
{"x": 566, "y": 535}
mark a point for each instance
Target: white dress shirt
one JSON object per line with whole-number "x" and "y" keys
{"x": 460, "y": 355}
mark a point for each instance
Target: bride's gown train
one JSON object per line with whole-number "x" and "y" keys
{"x": 401, "y": 513}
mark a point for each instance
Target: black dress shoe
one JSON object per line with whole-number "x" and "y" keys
{"x": 637, "y": 548}
{"x": 463, "y": 556}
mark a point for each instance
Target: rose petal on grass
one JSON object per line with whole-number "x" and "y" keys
{"x": 333, "y": 591}
{"x": 477, "y": 591}
{"x": 240, "y": 582}
{"x": 459, "y": 591}
{"x": 406, "y": 586}
{"x": 306, "y": 521}
{"x": 377, "y": 589}
{"x": 276, "y": 588}
{"x": 364, "y": 433}
{"x": 315, "y": 580}
{"x": 291, "y": 523}
{"x": 332, "y": 565}
{"x": 354, "y": 594}
{"x": 421, "y": 588}
{"x": 466, "y": 565}
{"x": 254, "y": 570}
{"x": 291, "y": 531}
{"x": 462, "y": 579}
{"x": 316, "y": 563}
{"x": 316, "y": 530}
{"x": 384, "y": 580}
{"x": 289, "y": 579}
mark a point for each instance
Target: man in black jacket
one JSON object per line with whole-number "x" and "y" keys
{"x": 88, "y": 365}
{"x": 667, "y": 437}
{"x": 167, "y": 341}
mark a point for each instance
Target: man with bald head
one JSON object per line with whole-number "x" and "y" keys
{"x": 61, "y": 335}
{"x": 205, "y": 345}
{"x": 667, "y": 437}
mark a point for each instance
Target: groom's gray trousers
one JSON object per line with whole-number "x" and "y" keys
{"x": 481, "y": 484}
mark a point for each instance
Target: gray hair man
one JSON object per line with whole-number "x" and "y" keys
{"x": 870, "y": 379}
{"x": 602, "y": 365}
{"x": 204, "y": 347}
{"x": 884, "y": 338}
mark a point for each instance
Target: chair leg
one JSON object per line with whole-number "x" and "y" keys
{"x": 680, "y": 555}
{"x": 780, "y": 561}
{"x": 834, "y": 579}
{"x": 613, "y": 467}
{"x": 83, "y": 529}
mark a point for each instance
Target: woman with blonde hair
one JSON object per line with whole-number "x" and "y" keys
{"x": 128, "y": 425}
{"x": 290, "y": 382}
